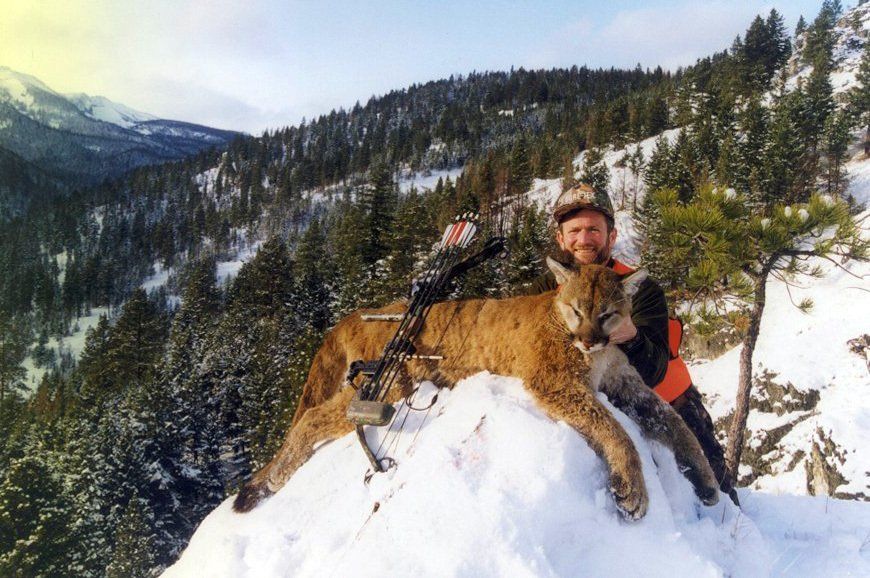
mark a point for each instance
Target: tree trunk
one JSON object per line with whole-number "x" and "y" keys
{"x": 867, "y": 142}
{"x": 744, "y": 385}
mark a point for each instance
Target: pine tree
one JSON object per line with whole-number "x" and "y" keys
{"x": 378, "y": 203}
{"x": 136, "y": 342}
{"x": 311, "y": 271}
{"x": 686, "y": 166}
{"x": 819, "y": 43}
{"x": 569, "y": 178}
{"x": 135, "y": 547}
{"x": 187, "y": 394}
{"x": 752, "y": 126}
{"x": 345, "y": 242}
{"x": 730, "y": 249}
{"x": 35, "y": 515}
{"x": 838, "y": 136}
{"x": 143, "y": 451}
{"x": 411, "y": 243}
{"x": 756, "y": 49}
{"x": 662, "y": 265}
{"x": 800, "y": 27}
{"x": 636, "y": 165}
{"x": 658, "y": 170}
{"x": 780, "y": 45}
{"x": 87, "y": 472}
{"x": 93, "y": 369}
{"x": 817, "y": 105}
{"x": 200, "y": 306}
{"x": 594, "y": 171}
{"x": 783, "y": 153}
{"x": 520, "y": 167}
{"x": 529, "y": 241}
{"x": 13, "y": 349}
{"x": 254, "y": 396}
{"x": 859, "y": 97}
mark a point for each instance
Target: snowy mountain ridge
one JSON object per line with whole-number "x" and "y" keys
{"x": 102, "y": 109}
{"x": 86, "y": 138}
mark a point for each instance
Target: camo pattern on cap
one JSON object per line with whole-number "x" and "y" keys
{"x": 582, "y": 196}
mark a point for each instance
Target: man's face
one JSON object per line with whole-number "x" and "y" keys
{"x": 585, "y": 236}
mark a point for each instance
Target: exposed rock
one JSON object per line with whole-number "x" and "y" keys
{"x": 772, "y": 397}
{"x": 861, "y": 346}
{"x": 707, "y": 346}
{"x": 823, "y": 477}
{"x": 762, "y": 451}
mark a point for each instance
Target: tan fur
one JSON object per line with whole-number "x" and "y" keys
{"x": 522, "y": 336}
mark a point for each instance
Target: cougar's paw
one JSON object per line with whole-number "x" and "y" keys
{"x": 708, "y": 495}
{"x": 706, "y": 487}
{"x": 249, "y": 496}
{"x": 630, "y": 497}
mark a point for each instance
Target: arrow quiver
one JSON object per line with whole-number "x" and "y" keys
{"x": 369, "y": 406}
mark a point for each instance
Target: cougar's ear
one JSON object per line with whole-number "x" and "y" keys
{"x": 561, "y": 272}
{"x": 631, "y": 283}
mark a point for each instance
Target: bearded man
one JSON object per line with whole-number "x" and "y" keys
{"x": 586, "y": 234}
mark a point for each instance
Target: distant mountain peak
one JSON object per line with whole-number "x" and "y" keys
{"x": 14, "y": 83}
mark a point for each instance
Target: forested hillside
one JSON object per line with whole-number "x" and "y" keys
{"x": 178, "y": 393}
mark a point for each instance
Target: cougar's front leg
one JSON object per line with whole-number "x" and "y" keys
{"x": 578, "y": 407}
{"x": 658, "y": 421}
{"x": 325, "y": 422}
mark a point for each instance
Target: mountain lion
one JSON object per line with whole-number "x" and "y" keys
{"x": 556, "y": 342}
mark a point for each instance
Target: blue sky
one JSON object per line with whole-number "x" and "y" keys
{"x": 267, "y": 63}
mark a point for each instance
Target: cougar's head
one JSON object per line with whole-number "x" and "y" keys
{"x": 593, "y": 302}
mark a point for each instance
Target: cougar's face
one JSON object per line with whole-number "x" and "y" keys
{"x": 594, "y": 302}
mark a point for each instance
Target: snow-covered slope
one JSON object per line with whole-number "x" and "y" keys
{"x": 102, "y": 109}
{"x": 851, "y": 32}
{"x": 487, "y": 485}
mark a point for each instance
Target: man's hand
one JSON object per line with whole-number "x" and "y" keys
{"x": 625, "y": 332}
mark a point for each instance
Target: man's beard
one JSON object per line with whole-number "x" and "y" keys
{"x": 602, "y": 256}
{"x": 569, "y": 259}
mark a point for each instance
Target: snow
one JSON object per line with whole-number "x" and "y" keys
{"x": 73, "y": 344}
{"x": 102, "y": 109}
{"x": 157, "y": 280}
{"x": 810, "y": 351}
{"x": 16, "y": 88}
{"x": 487, "y": 485}
{"x": 427, "y": 179}
{"x": 76, "y": 341}
{"x": 226, "y": 270}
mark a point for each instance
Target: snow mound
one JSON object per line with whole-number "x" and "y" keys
{"x": 486, "y": 485}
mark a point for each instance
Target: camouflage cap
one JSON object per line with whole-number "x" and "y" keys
{"x": 582, "y": 196}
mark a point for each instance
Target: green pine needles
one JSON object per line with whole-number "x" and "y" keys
{"x": 717, "y": 252}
